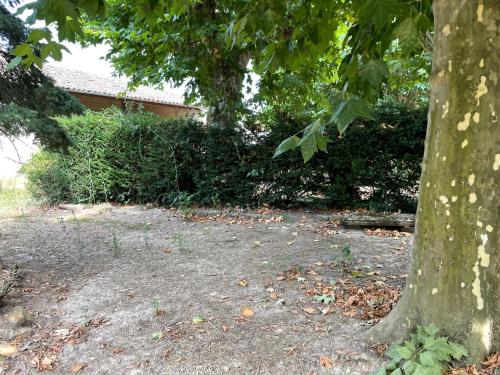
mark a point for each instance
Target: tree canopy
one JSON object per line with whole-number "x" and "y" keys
{"x": 209, "y": 44}
{"x": 28, "y": 99}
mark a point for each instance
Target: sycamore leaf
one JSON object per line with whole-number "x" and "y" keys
{"x": 407, "y": 33}
{"x": 346, "y": 110}
{"x": 38, "y": 34}
{"x": 22, "y": 50}
{"x": 374, "y": 72}
{"x": 379, "y": 12}
{"x": 288, "y": 144}
{"x": 308, "y": 146}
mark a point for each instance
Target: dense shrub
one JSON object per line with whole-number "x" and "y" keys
{"x": 141, "y": 158}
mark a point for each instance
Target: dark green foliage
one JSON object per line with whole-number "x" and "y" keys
{"x": 28, "y": 99}
{"x": 141, "y": 158}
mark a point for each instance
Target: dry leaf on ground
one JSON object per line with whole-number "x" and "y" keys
{"x": 310, "y": 310}
{"x": 247, "y": 312}
{"x": 326, "y": 361}
{"x": 77, "y": 367}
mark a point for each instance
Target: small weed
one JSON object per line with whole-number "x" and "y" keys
{"x": 115, "y": 246}
{"x": 180, "y": 241}
{"x": 158, "y": 311}
{"x": 344, "y": 259}
{"x": 325, "y": 298}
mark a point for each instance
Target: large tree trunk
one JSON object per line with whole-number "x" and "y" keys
{"x": 225, "y": 102}
{"x": 454, "y": 281}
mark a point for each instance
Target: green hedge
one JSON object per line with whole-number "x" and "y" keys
{"x": 140, "y": 158}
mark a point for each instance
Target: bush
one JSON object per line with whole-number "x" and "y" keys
{"x": 141, "y": 158}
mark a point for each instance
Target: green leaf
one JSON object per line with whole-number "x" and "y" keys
{"x": 428, "y": 358}
{"x": 157, "y": 335}
{"x": 397, "y": 372}
{"x": 379, "y": 12}
{"x": 374, "y": 72}
{"x": 424, "y": 370}
{"x": 321, "y": 141}
{"x": 431, "y": 329}
{"x": 13, "y": 63}
{"x": 22, "y": 50}
{"x": 380, "y": 371}
{"x": 457, "y": 350}
{"x": 197, "y": 319}
{"x": 346, "y": 110}
{"x": 410, "y": 346}
{"x": 404, "y": 352}
{"x": 409, "y": 367}
{"x": 38, "y": 34}
{"x": 393, "y": 353}
{"x": 308, "y": 146}
{"x": 288, "y": 144}
{"x": 407, "y": 33}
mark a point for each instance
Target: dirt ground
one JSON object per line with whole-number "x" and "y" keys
{"x": 130, "y": 290}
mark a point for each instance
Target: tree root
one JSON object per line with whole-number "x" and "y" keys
{"x": 7, "y": 283}
{"x": 397, "y": 325}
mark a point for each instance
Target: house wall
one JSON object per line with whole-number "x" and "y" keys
{"x": 98, "y": 103}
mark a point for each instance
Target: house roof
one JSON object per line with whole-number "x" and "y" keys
{"x": 88, "y": 83}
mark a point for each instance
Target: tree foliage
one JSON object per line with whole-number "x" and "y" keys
{"x": 210, "y": 42}
{"x": 28, "y": 99}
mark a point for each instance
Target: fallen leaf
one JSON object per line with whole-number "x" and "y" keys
{"x": 225, "y": 328}
{"x": 243, "y": 282}
{"x": 77, "y": 367}
{"x": 157, "y": 335}
{"x": 247, "y": 312}
{"x": 197, "y": 319}
{"x": 310, "y": 310}
{"x": 274, "y": 295}
{"x": 167, "y": 250}
{"x": 326, "y": 361}
{"x": 46, "y": 364}
{"x": 117, "y": 350}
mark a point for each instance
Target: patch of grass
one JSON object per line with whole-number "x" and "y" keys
{"x": 11, "y": 199}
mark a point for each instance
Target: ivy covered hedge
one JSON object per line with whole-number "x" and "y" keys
{"x": 140, "y": 158}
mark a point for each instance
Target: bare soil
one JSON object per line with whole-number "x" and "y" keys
{"x": 113, "y": 290}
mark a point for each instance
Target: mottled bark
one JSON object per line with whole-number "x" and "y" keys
{"x": 454, "y": 281}
{"x": 226, "y": 101}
